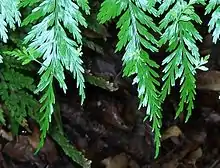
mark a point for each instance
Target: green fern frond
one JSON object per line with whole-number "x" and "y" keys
{"x": 16, "y": 93}
{"x": 25, "y": 3}
{"x": 50, "y": 40}
{"x": 105, "y": 14}
{"x": 69, "y": 149}
{"x": 184, "y": 58}
{"x": 134, "y": 35}
{"x": 48, "y": 101}
{"x": 2, "y": 118}
{"x": 166, "y": 4}
{"x": 214, "y": 23}
{"x": 93, "y": 46}
{"x": 15, "y": 58}
{"x": 9, "y": 16}
{"x": 23, "y": 55}
{"x": 100, "y": 82}
{"x": 58, "y": 51}
{"x": 84, "y": 5}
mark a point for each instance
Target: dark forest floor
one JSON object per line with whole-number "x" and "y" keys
{"x": 110, "y": 131}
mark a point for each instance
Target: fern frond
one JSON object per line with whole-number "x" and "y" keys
{"x": 184, "y": 58}
{"x": 93, "y": 46}
{"x": 15, "y": 93}
{"x": 48, "y": 101}
{"x": 15, "y": 58}
{"x": 100, "y": 82}
{"x": 69, "y": 149}
{"x": 23, "y": 55}
{"x": 2, "y": 119}
{"x": 134, "y": 35}
{"x": 165, "y": 6}
{"x": 50, "y": 40}
{"x": 58, "y": 51}
{"x": 84, "y": 5}
{"x": 214, "y": 23}
{"x": 25, "y": 3}
{"x": 9, "y": 16}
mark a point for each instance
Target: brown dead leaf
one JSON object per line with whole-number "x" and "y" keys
{"x": 111, "y": 115}
{"x": 171, "y": 164}
{"x": 6, "y": 135}
{"x": 194, "y": 156}
{"x": 21, "y": 151}
{"x": 118, "y": 161}
{"x": 213, "y": 117}
{"x": 172, "y": 131}
{"x": 133, "y": 164}
{"x": 198, "y": 137}
{"x": 48, "y": 150}
{"x": 208, "y": 80}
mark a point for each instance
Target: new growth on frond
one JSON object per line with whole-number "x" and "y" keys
{"x": 184, "y": 58}
{"x": 214, "y": 23}
{"x": 58, "y": 51}
{"x": 134, "y": 35}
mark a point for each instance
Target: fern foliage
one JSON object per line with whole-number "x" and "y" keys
{"x": 55, "y": 40}
{"x": 181, "y": 36}
{"x": 59, "y": 52}
{"x": 28, "y": 106}
{"x": 16, "y": 93}
{"x": 214, "y": 23}
{"x": 135, "y": 36}
{"x": 69, "y": 149}
{"x": 9, "y": 16}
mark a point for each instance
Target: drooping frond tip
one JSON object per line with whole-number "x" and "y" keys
{"x": 135, "y": 37}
